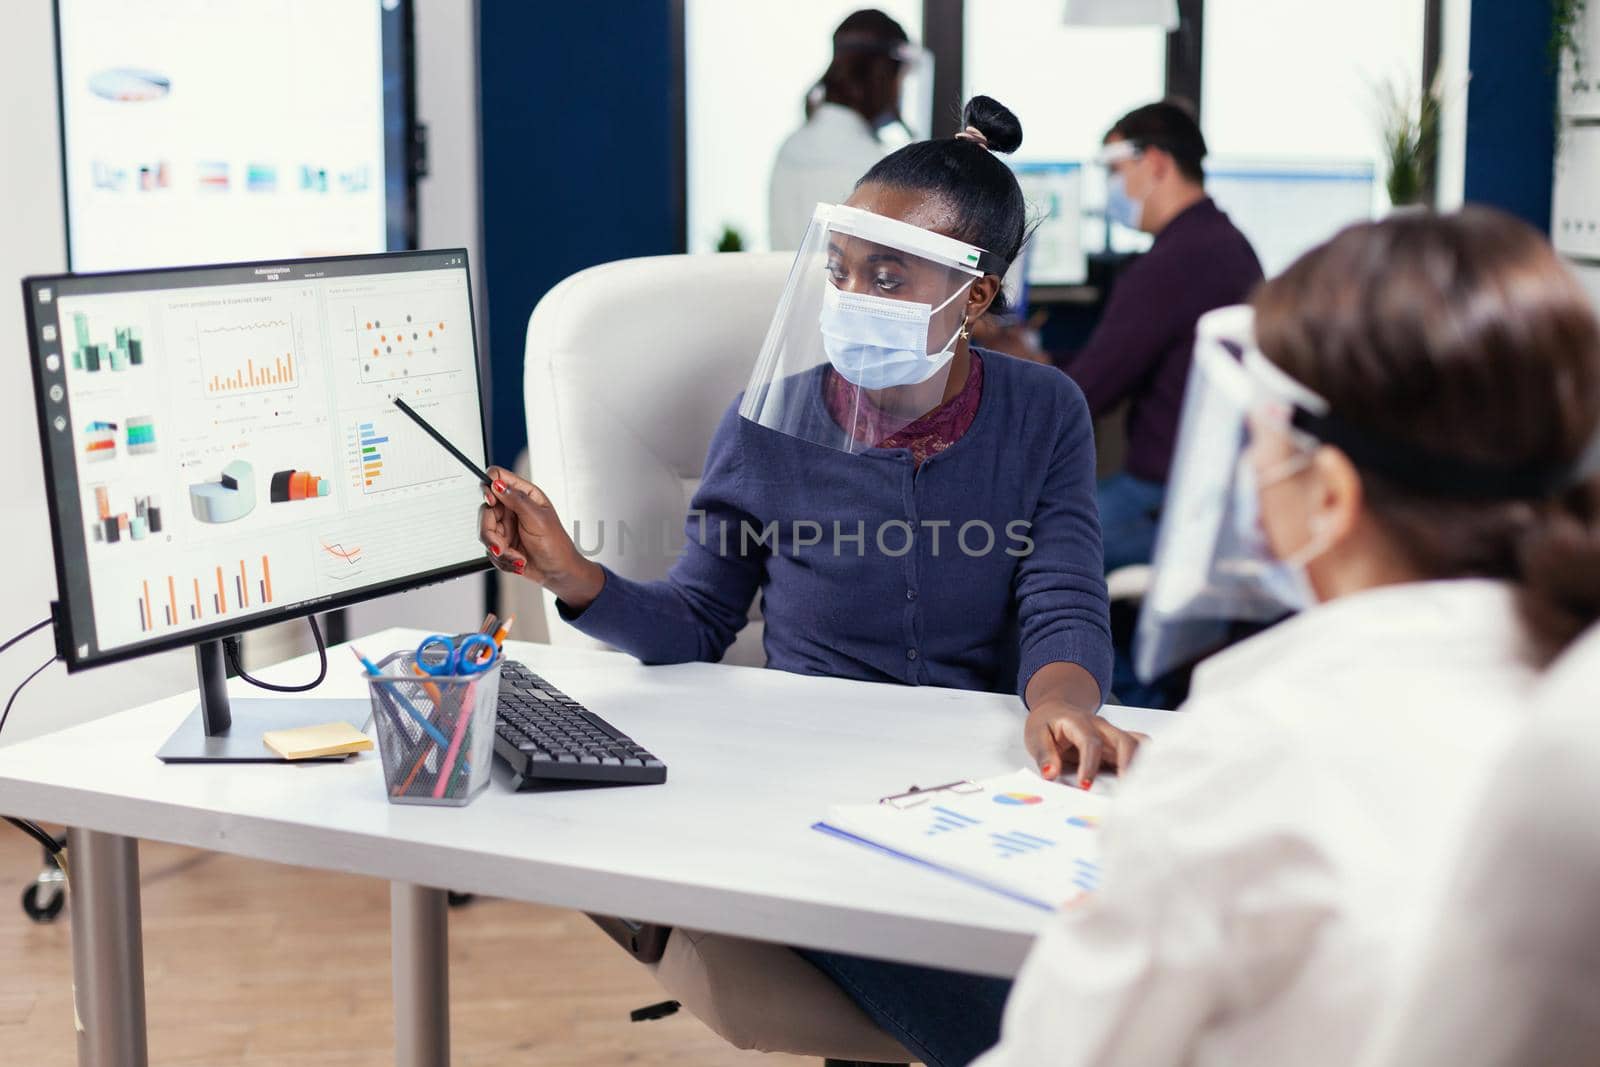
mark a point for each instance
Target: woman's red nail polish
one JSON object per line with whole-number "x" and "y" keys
{"x": 1084, "y": 783}
{"x": 494, "y": 550}
{"x": 1048, "y": 769}
{"x": 518, "y": 565}
{"x": 499, "y": 486}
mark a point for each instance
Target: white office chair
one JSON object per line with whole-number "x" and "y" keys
{"x": 1509, "y": 972}
{"x": 629, "y": 367}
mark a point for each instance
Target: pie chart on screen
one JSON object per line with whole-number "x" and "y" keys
{"x": 1018, "y": 798}
{"x": 129, "y": 85}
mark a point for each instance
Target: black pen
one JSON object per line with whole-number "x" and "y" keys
{"x": 437, "y": 436}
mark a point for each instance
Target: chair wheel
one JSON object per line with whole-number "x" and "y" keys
{"x": 459, "y": 900}
{"x": 43, "y": 910}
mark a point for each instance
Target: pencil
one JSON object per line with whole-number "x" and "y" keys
{"x": 477, "y": 471}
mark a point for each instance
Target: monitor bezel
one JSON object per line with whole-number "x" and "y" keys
{"x": 61, "y": 612}
{"x": 409, "y": 142}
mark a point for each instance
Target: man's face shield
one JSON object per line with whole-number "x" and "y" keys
{"x": 1117, "y": 156}
{"x": 1213, "y": 565}
{"x": 1125, "y": 194}
{"x": 862, "y": 341}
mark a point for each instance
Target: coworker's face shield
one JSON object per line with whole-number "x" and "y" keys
{"x": 1213, "y": 565}
{"x": 914, "y": 120}
{"x": 911, "y": 116}
{"x": 862, "y": 341}
{"x": 1124, "y": 205}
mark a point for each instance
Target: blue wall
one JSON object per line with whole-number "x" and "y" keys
{"x": 1511, "y": 109}
{"x": 579, "y": 162}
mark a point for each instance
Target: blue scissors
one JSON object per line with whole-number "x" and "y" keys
{"x": 442, "y": 656}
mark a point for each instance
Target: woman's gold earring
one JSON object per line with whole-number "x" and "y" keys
{"x": 966, "y": 329}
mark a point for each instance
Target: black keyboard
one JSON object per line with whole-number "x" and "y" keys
{"x": 550, "y": 739}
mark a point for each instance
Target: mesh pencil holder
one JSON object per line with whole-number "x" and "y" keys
{"x": 436, "y": 734}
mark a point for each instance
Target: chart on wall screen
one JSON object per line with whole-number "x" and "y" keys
{"x": 407, "y": 337}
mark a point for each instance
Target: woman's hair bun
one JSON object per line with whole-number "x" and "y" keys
{"x": 995, "y": 121}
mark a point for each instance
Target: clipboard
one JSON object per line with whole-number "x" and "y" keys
{"x": 1017, "y": 835}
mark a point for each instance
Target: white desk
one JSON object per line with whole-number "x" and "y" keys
{"x": 754, "y": 758}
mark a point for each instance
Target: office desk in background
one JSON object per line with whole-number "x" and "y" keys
{"x": 755, "y": 758}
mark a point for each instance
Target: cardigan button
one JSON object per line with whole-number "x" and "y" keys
{"x": 911, "y": 653}
{"x": 911, "y": 594}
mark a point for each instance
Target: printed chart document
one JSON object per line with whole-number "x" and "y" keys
{"x": 1015, "y": 834}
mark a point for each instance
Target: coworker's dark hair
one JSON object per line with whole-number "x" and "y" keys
{"x": 1459, "y": 336}
{"x": 861, "y": 75}
{"x": 981, "y": 191}
{"x": 1169, "y": 126}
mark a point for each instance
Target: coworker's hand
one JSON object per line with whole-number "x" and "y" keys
{"x": 1065, "y": 739}
{"x": 524, "y": 536}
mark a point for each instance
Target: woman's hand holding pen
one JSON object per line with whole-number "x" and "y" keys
{"x": 524, "y": 536}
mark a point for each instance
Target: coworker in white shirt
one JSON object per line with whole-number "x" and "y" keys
{"x": 858, "y": 95}
{"x": 1429, "y": 386}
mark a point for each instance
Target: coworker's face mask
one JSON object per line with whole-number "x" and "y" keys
{"x": 878, "y": 343}
{"x": 1284, "y": 581}
{"x": 1121, "y": 208}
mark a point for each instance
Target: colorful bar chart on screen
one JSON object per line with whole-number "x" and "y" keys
{"x": 99, "y": 441}
{"x": 247, "y": 357}
{"x": 389, "y": 452}
{"x": 211, "y": 593}
{"x": 119, "y": 348}
{"x": 297, "y": 485}
{"x": 110, "y": 526}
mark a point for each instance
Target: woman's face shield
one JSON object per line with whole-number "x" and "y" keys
{"x": 1213, "y": 566}
{"x": 863, "y": 339}
{"x": 915, "y": 113}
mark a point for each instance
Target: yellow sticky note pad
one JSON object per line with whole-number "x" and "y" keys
{"x": 307, "y": 742}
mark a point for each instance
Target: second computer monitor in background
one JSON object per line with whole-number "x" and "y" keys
{"x": 1054, "y": 193}
{"x": 1286, "y": 209}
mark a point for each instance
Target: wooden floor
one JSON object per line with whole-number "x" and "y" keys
{"x": 254, "y": 963}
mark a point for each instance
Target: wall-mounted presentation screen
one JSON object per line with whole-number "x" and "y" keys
{"x": 223, "y": 449}
{"x": 205, "y": 131}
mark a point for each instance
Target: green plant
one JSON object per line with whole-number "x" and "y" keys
{"x": 1566, "y": 39}
{"x": 730, "y": 241}
{"x": 1410, "y": 130}
{"x": 1564, "y": 36}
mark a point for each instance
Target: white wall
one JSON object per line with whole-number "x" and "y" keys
{"x": 1454, "y": 76}
{"x": 32, "y": 241}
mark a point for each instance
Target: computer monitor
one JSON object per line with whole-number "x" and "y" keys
{"x": 1286, "y": 209}
{"x": 222, "y": 451}
{"x": 1054, "y": 194}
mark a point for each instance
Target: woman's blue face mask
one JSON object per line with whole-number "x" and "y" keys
{"x": 879, "y": 343}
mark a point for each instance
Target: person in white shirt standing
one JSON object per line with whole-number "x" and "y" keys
{"x": 858, "y": 95}
{"x": 1417, "y": 397}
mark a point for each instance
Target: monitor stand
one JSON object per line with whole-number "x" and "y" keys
{"x": 221, "y": 730}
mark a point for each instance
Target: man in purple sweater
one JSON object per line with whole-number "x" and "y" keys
{"x": 1140, "y": 351}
